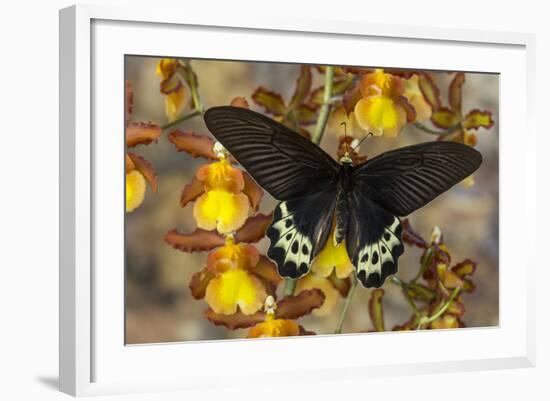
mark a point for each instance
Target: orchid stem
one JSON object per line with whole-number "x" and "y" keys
{"x": 290, "y": 286}
{"x": 347, "y": 304}
{"x": 325, "y": 107}
{"x": 180, "y": 120}
{"x": 403, "y": 285}
{"x": 442, "y": 309}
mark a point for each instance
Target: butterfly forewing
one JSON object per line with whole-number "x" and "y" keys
{"x": 403, "y": 180}
{"x": 284, "y": 163}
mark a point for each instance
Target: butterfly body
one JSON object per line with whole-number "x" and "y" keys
{"x": 318, "y": 196}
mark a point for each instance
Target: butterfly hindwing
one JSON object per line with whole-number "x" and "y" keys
{"x": 283, "y": 162}
{"x": 299, "y": 230}
{"x": 373, "y": 240}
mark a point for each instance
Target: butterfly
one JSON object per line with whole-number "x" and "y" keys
{"x": 318, "y": 196}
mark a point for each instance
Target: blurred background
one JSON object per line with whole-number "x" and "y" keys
{"x": 159, "y": 306}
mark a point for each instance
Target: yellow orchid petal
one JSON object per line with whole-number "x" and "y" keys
{"x": 135, "y": 190}
{"x": 311, "y": 281}
{"x": 235, "y": 287}
{"x": 221, "y": 175}
{"x": 445, "y": 322}
{"x": 332, "y": 257}
{"x": 166, "y": 67}
{"x": 380, "y": 115}
{"x": 274, "y": 328}
{"x": 221, "y": 210}
{"x": 175, "y": 102}
{"x": 416, "y": 98}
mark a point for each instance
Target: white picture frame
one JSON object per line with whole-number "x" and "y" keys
{"x": 93, "y": 357}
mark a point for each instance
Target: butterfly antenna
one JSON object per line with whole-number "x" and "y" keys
{"x": 362, "y": 139}
{"x": 345, "y": 133}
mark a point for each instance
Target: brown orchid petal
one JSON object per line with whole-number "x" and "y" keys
{"x": 339, "y": 85}
{"x": 430, "y": 90}
{"x": 303, "y": 86}
{"x": 445, "y": 118}
{"x": 194, "y": 144}
{"x": 409, "y": 109}
{"x": 142, "y": 133}
{"x": 465, "y": 268}
{"x": 146, "y": 169}
{"x": 442, "y": 254}
{"x": 448, "y": 278}
{"x": 342, "y": 285}
{"x": 420, "y": 292}
{"x": 376, "y": 310}
{"x": 240, "y": 101}
{"x": 199, "y": 282}
{"x": 455, "y": 92}
{"x": 198, "y": 241}
{"x": 254, "y": 228}
{"x": 272, "y": 102}
{"x": 456, "y": 309}
{"x": 171, "y": 85}
{"x": 129, "y": 102}
{"x": 253, "y": 191}
{"x": 351, "y": 96}
{"x": 408, "y": 325}
{"x": 307, "y": 114}
{"x": 316, "y": 97}
{"x": 267, "y": 270}
{"x": 478, "y": 118}
{"x": 411, "y": 237}
{"x": 235, "y": 321}
{"x": 468, "y": 285}
{"x": 191, "y": 191}
{"x": 129, "y": 164}
{"x": 295, "y": 306}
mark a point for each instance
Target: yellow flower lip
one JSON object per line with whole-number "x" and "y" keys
{"x": 380, "y": 109}
{"x": 332, "y": 257}
{"x": 135, "y": 190}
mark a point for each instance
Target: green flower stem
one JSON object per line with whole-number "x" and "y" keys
{"x": 347, "y": 303}
{"x": 198, "y": 106}
{"x": 325, "y": 108}
{"x": 442, "y": 309}
{"x": 424, "y": 264}
{"x": 290, "y": 286}
{"x": 427, "y": 130}
{"x": 404, "y": 288}
{"x": 180, "y": 120}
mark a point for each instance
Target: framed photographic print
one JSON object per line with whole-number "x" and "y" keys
{"x": 317, "y": 190}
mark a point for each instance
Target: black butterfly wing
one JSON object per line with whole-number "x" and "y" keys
{"x": 403, "y": 180}
{"x": 294, "y": 171}
{"x": 283, "y": 162}
{"x": 393, "y": 184}
{"x": 299, "y": 230}
{"x": 373, "y": 240}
